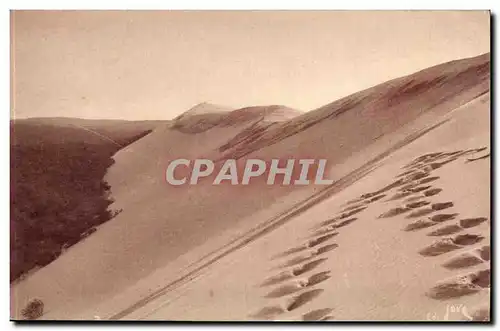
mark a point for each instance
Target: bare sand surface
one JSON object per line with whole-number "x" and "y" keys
{"x": 403, "y": 233}
{"x": 359, "y": 261}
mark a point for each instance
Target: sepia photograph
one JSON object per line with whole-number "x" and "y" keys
{"x": 250, "y": 165}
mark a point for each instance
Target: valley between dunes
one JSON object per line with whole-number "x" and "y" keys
{"x": 403, "y": 233}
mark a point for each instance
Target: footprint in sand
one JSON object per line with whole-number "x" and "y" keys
{"x": 318, "y": 315}
{"x": 307, "y": 267}
{"x": 471, "y": 222}
{"x": 417, "y": 204}
{"x": 461, "y": 285}
{"x": 450, "y": 244}
{"x": 318, "y": 278}
{"x": 469, "y": 259}
{"x": 303, "y": 298}
{"x": 299, "y": 285}
{"x": 320, "y": 240}
{"x": 442, "y": 205}
{"x": 484, "y": 252}
{"x": 394, "y": 212}
{"x": 439, "y": 218}
{"x": 478, "y": 158}
{"x": 268, "y": 313}
{"x": 325, "y": 249}
{"x": 334, "y": 224}
{"x": 432, "y": 191}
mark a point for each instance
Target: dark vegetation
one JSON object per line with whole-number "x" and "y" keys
{"x": 33, "y": 310}
{"x": 58, "y": 194}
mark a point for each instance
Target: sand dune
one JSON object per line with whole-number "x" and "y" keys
{"x": 201, "y": 117}
{"x": 396, "y": 237}
{"x": 340, "y": 260}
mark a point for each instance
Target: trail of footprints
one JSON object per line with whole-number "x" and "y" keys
{"x": 455, "y": 236}
{"x": 299, "y": 274}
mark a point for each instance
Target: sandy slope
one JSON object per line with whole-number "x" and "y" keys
{"x": 342, "y": 262}
{"x": 202, "y": 253}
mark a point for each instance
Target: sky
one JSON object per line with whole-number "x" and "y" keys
{"x": 145, "y": 65}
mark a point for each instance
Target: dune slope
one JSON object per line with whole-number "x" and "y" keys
{"x": 408, "y": 242}
{"x": 165, "y": 232}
